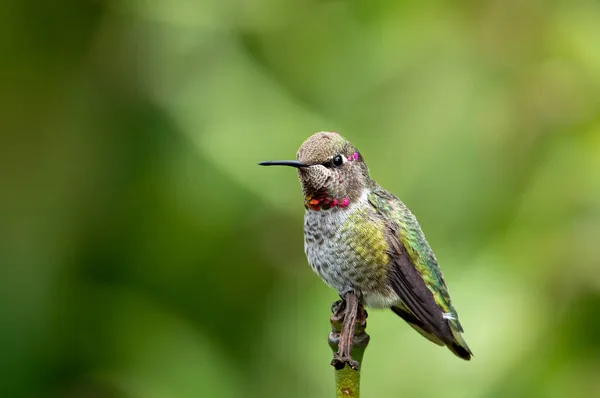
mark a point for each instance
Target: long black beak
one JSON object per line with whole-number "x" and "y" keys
{"x": 293, "y": 163}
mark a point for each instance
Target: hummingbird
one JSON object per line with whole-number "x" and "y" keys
{"x": 360, "y": 238}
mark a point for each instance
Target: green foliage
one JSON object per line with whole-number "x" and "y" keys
{"x": 144, "y": 254}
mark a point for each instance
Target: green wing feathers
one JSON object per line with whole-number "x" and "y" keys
{"x": 416, "y": 277}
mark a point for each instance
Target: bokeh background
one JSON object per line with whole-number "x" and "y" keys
{"x": 145, "y": 254}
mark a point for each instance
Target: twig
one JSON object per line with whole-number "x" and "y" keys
{"x": 348, "y": 341}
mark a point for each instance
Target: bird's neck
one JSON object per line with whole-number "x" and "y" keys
{"x": 323, "y": 200}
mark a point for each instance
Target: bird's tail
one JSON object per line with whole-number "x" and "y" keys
{"x": 459, "y": 346}
{"x": 451, "y": 338}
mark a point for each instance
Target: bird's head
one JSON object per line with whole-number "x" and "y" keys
{"x": 331, "y": 170}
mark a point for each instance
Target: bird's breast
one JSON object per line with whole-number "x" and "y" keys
{"x": 320, "y": 237}
{"x": 346, "y": 247}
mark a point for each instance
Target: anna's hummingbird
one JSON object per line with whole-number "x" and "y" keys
{"x": 359, "y": 237}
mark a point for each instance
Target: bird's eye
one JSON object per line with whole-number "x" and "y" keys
{"x": 337, "y": 160}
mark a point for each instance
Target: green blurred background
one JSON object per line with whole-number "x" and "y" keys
{"x": 146, "y": 255}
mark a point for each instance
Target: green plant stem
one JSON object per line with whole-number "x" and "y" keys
{"x": 347, "y": 379}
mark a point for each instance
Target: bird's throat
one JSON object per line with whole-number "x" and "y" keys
{"x": 322, "y": 201}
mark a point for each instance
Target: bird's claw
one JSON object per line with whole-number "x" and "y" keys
{"x": 339, "y": 361}
{"x": 338, "y": 307}
{"x": 344, "y": 322}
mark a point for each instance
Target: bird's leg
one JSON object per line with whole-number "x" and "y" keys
{"x": 347, "y": 312}
{"x": 347, "y": 335}
{"x": 336, "y": 305}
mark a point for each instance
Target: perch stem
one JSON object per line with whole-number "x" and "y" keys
{"x": 348, "y": 341}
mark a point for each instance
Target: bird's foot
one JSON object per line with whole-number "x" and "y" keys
{"x": 338, "y": 306}
{"x": 339, "y": 361}
{"x": 343, "y": 320}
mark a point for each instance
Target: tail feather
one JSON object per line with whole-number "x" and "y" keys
{"x": 416, "y": 324}
{"x": 456, "y": 343}
{"x": 459, "y": 346}
{"x": 429, "y": 336}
